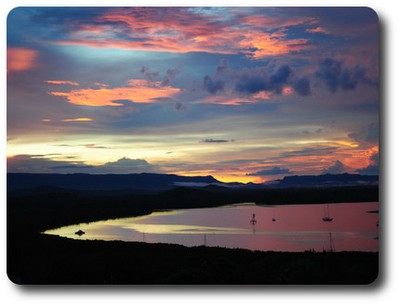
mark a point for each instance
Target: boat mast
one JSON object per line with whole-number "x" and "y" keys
{"x": 331, "y": 245}
{"x": 253, "y": 220}
{"x": 327, "y": 217}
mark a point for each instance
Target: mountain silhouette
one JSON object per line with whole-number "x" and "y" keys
{"x": 153, "y": 182}
{"x": 79, "y": 181}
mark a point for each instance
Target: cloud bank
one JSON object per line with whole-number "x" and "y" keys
{"x": 45, "y": 164}
{"x": 270, "y": 171}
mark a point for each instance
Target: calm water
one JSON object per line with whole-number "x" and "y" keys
{"x": 296, "y": 227}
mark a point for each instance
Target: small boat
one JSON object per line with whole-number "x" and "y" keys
{"x": 79, "y": 233}
{"x": 327, "y": 217}
{"x": 253, "y": 221}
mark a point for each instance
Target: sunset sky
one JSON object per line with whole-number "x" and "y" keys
{"x": 242, "y": 94}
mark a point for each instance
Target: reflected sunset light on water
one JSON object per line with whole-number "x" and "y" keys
{"x": 296, "y": 227}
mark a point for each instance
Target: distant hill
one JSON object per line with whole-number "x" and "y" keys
{"x": 142, "y": 181}
{"x": 326, "y": 180}
{"x": 152, "y": 182}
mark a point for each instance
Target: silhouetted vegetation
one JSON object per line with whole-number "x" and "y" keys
{"x": 54, "y": 260}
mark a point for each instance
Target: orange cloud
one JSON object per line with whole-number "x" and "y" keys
{"x": 287, "y": 90}
{"x": 137, "y": 91}
{"x": 61, "y": 82}
{"x": 77, "y": 120}
{"x": 264, "y": 95}
{"x": 361, "y": 158}
{"x": 261, "y": 45}
{"x": 20, "y": 59}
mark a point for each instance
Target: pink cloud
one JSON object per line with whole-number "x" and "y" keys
{"x": 282, "y": 22}
{"x": 317, "y": 30}
{"x": 263, "y": 95}
{"x": 181, "y": 31}
{"x": 21, "y": 59}
{"x": 61, "y": 82}
{"x": 287, "y": 90}
{"x": 226, "y": 100}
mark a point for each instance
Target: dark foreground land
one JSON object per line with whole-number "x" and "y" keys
{"x": 33, "y": 258}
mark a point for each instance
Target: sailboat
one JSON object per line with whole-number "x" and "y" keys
{"x": 253, "y": 221}
{"x": 327, "y": 217}
{"x": 273, "y": 216}
{"x": 79, "y": 232}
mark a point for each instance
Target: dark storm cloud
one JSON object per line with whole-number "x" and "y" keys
{"x": 179, "y": 106}
{"x": 335, "y": 76}
{"x": 372, "y": 168}
{"x": 213, "y": 85}
{"x": 170, "y": 76}
{"x": 302, "y": 86}
{"x": 223, "y": 66}
{"x": 256, "y": 81}
{"x": 350, "y": 78}
{"x": 150, "y": 75}
{"x": 329, "y": 71}
{"x": 279, "y": 79}
{"x": 337, "y": 168}
{"x": 270, "y": 171}
{"x": 253, "y": 80}
{"x": 251, "y": 84}
{"x": 368, "y": 133}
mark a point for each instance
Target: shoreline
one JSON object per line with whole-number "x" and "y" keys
{"x": 73, "y": 207}
{"x": 111, "y": 232}
{"x": 33, "y": 258}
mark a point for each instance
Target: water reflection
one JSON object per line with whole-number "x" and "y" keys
{"x": 277, "y": 228}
